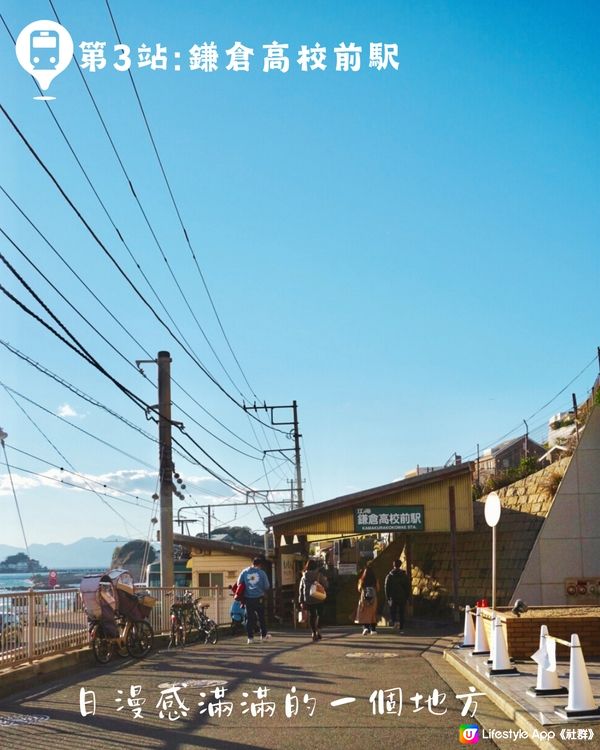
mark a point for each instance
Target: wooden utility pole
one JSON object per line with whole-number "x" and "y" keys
{"x": 167, "y": 578}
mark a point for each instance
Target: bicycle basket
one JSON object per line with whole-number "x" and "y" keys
{"x": 145, "y": 603}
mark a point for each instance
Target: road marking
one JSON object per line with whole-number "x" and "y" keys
{"x": 192, "y": 683}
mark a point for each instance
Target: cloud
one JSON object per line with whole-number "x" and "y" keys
{"x": 140, "y": 482}
{"x": 137, "y": 481}
{"x": 66, "y": 411}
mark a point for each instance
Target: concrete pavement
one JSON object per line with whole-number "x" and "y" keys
{"x": 347, "y": 691}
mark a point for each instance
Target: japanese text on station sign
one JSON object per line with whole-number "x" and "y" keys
{"x": 395, "y": 518}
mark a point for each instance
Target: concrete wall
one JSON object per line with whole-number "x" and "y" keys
{"x": 568, "y": 545}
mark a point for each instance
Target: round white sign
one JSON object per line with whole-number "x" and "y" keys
{"x": 492, "y": 509}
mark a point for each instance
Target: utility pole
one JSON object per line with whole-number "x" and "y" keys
{"x": 167, "y": 579}
{"x": 297, "y": 436}
{"x": 296, "y": 448}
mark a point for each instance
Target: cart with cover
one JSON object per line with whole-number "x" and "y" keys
{"x": 117, "y": 615}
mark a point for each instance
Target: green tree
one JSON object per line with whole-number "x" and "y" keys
{"x": 132, "y": 555}
{"x": 241, "y": 535}
{"x": 21, "y": 557}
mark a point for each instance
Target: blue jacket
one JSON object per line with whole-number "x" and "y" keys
{"x": 256, "y": 582}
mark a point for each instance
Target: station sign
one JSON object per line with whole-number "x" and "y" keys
{"x": 393, "y": 518}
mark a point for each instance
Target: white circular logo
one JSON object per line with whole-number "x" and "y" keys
{"x": 44, "y": 49}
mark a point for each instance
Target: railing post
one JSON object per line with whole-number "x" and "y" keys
{"x": 30, "y": 624}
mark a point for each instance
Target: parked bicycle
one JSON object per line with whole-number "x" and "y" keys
{"x": 190, "y": 623}
{"x": 178, "y": 629}
{"x": 116, "y": 616}
{"x": 134, "y": 638}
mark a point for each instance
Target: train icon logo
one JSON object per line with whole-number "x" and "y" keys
{"x": 44, "y": 49}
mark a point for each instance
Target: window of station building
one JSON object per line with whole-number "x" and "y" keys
{"x": 207, "y": 582}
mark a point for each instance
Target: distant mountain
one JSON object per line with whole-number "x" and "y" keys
{"x": 89, "y": 552}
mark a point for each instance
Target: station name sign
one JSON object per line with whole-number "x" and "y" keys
{"x": 394, "y": 518}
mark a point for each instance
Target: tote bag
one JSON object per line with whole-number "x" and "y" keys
{"x": 317, "y": 592}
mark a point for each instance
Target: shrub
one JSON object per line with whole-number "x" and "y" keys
{"x": 551, "y": 481}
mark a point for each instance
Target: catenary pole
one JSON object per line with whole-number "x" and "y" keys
{"x": 299, "y": 492}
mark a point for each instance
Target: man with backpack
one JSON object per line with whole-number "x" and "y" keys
{"x": 397, "y": 592}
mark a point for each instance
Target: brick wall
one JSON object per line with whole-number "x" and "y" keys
{"x": 523, "y": 633}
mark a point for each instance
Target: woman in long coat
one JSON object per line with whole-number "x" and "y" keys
{"x": 366, "y": 613}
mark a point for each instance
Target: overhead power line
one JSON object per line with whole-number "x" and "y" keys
{"x": 76, "y": 391}
{"x": 176, "y": 207}
{"x": 76, "y": 427}
{"x": 74, "y": 272}
{"x": 126, "y": 330}
{"x": 14, "y": 492}
{"x": 116, "y": 264}
{"x": 68, "y": 302}
{"x": 79, "y": 349}
{"x": 497, "y": 441}
{"x": 79, "y": 487}
{"x": 105, "y": 209}
{"x": 74, "y": 473}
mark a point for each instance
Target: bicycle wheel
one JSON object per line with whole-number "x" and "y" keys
{"x": 120, "y": 645}
{"x": 173, "y": 638}
{"x": 212, "y": 632}
{"x": 191, "y": 627}
{"x": 140, "y": 639}
{"x": 101, "y": 645}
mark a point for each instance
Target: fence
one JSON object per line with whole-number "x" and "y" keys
{"x": 34, "y": 624}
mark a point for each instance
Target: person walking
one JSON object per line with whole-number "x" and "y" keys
{"x": 256, "y": 585}
{"x": 312, "y": 576}
{"x": 397, "y": 592}
{"x": 366, "y": 613}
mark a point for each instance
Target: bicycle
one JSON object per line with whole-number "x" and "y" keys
{"x": 193, "y": 623}
{"x": 178, "y": 624}
{"x": 135, "y": 638}
{"x": 201, "y": 622}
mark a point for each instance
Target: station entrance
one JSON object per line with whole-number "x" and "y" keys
{"x": 342, "y": 531}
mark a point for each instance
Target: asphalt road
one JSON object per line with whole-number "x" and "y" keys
{"x": 221, "y": 698}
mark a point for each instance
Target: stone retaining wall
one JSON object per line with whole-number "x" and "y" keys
{"x": 525, "y": 505}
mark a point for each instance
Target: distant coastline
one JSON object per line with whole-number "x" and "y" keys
{"x": 66, "y": 578}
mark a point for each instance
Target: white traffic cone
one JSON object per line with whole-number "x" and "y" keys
{"x": 547, "y": 676}
{"x": 581, "y": 703}
{"x": 500, "y": 661}
{"x": 481, "y": 644}
{"x": 469, "y": 634}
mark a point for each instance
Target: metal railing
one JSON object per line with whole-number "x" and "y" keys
{"x": 34, "y": 623}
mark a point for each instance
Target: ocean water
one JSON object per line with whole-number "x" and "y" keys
{"x": 24, "y": 581}
{"x": 12, "y": 581}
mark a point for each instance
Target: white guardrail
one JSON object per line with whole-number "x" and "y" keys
{"x": 38, "y": 623}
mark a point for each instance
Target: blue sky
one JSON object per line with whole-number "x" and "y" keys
{"x": 411, "y": 255}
